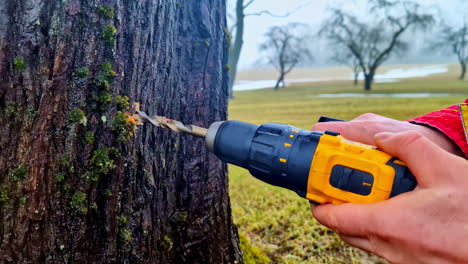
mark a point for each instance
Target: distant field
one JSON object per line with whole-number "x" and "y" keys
{"x": 334, "y": 72}
{"x": 279, "y": 222}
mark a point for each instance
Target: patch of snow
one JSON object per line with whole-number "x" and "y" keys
{"x": 245, "y": 85}
{"x": 254, "y": 85}
{"x": 410, "y": 73}
{"x": 393, "y": 95}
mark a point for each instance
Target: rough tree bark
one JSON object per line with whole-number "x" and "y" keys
{"x": 77, "y": 184}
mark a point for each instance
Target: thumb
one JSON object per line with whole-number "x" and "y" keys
{"x": 347, "y": 219}
{"x": 428, "y": 162}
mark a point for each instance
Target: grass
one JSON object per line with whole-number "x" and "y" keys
{"x": 277, "y": 221}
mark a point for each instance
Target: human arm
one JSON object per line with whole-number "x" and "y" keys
{"x": 365, "y": 127}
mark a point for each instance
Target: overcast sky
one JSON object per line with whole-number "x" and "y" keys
{"x": 313, "y": 13}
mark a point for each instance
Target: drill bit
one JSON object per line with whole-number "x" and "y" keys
{"x": 174, "y": 125}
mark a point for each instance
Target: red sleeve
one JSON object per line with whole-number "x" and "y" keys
{"x": 448, "y": 121}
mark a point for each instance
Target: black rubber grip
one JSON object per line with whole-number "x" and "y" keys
{"x": 404, "y": 179}
{"x": 324, "y": 119}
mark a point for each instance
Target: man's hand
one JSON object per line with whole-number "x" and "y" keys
{"x": 365, "y": 127}
{"x": 427, "y": 225}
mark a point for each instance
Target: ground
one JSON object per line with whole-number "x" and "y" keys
{"x": 277, "y": 221}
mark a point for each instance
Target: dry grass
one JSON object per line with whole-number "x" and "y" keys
{"x": 279, "y": 222}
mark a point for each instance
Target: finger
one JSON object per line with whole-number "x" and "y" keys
{"x": 347, "y": 219}
{"x": 335, "y": 126}
{"x": 369, "y": 117}
{"x": 379, "y": 247}
{"x": 358, "y": 242}
{"x": 428, "y": 162}
{"x": 355, "y": 131}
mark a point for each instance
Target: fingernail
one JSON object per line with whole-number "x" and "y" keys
{"x": 383, "y": 136}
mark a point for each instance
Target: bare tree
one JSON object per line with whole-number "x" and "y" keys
{"x": 454, "y": 41}
{"x": 373, "y": 41}
{"x": 236, "y": 34}
{"x": 285, "y": 48}
{"x": 236, "y": 45}
{"x": 344, "y": 57}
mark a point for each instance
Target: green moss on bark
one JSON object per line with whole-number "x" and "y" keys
{"x": 167, "y": 243}
{"x": 89, "y": 138}
{"x": 23, "y": 200}
{"x": 102, "y": 81}
{"x": 4, "y": 195}
{"x": 122, "y": 220}
{"x": 108, "y": 35}
{"x": 20, "y": 173}
{"x": 108, "y": 193}
{"x": 60, "y": 177}
{"x": 124, "y": 126}
{"x": 10, "y": 110}
{"x": 107, "y": 71}
{"x": 125, "y": 235}
{"x": 65, "y": 164}
{"x": 104, "y": 98}
{"x": 101, "y": 164}
{"x": 122, "y": 102}
{"x": 77, "y": 116}
{"x": 82, "y": 73}
{"x": 78, "y": 203}
{"x": 107, "y": 12}
{"x": 19, "y": 64}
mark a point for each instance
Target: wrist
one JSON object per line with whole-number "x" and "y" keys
{"x": 440, "y": 138}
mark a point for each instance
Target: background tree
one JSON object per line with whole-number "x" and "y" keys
{"x": 285, "y": 48}
{"x": 373, "y": 41}
{"x": 344, "y": 57}
{"x": 78, "y": 183}
{"x": 236, "y": 35}
{"x": 454, "y": 41}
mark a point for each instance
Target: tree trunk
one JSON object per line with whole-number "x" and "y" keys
{"x": 279, "y": 82}
{"x": 463, "y": 71}
{"x": 368, "y": 80}
{"x": 77, "y": 183}
{"x": 236, "y": 48}
{"x": 356, "y": 71}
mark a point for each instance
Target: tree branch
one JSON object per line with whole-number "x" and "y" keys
{"x": 266, "y": 12}
{"x": 291, "y": 67}
{"x": 248, "y": 4}
{"x": 387, "y": 51}
{"x": 359, "y": 57}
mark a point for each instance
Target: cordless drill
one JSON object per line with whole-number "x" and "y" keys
{"x": 323, "y": 167}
